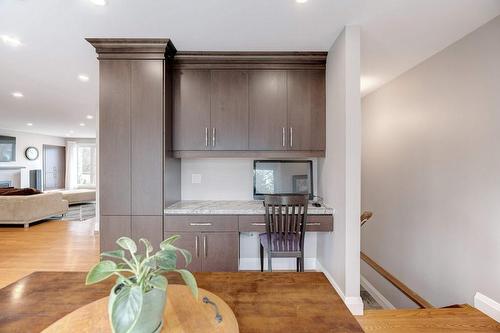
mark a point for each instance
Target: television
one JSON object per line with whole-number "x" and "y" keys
{"x": 7, "y": 148}
{"x": 282, "y": 177}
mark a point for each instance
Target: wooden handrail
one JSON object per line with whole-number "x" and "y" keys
{"x": 422, "y": 303}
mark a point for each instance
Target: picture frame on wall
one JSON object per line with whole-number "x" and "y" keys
{"x": 7, "y": 148}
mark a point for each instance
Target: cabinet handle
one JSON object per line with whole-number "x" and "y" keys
{"x": 206, "y": 136}
{"x": 291, "y": 136}
{"x": 200, "y": 224}
{"x": 258, "y": 224}
{"x": 213, "y": 137}
{"x": 205, "y": 246}
{"x": 314, "y": 223}
{"x": 283, "y": 137}
{"x": 196, "y": 247}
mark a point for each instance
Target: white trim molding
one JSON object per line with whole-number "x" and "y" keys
{"x": 354, "y": 304}
{"x": 488, "y": 306}
{"x": 377, "y": 295}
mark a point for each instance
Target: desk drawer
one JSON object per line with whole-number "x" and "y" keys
{"x": 257, "y": 223}
{"x": 205, "y": 223}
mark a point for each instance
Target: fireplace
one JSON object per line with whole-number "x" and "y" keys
{"x": 5, "y": 183}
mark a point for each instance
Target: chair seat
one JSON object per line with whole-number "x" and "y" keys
{"x": 280, "y": 243}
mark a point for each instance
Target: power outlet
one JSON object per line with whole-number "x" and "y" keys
{"x": 196, "y": 178}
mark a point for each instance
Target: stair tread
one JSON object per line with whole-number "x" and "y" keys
{"x": 463, "y": 319}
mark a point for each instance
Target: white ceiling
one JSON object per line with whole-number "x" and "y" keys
{"x": 396, "y": 35}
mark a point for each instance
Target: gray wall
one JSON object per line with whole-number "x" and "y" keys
{"x": 431, "y": 174}
{"x": 339, "y": 172}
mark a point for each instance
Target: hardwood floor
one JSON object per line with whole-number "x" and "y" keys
{"x": 47, "y": 246}
{"x": 466, "y": 319}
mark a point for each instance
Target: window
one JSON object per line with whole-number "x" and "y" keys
{"x": 86, "y": 160}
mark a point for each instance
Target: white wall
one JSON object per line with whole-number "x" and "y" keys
{"x": 232, "y": 179}
{"x": 339, "y": 172}
{"x": 431, "y": 174}
{"x": 25, "y": 140}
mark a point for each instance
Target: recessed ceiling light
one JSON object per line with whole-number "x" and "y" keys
{"x": 17, "y": 94}
{"x": 300, "y": 1}
{"x": 99, "y": 2}
{"x": 82, "y": 124}
{"x": 71, "y": 132}
{"x": 11, "y": 41}
{"x": 29, "y": 124}
{"x": 83, "y": 77}
{"x": 90, "y": 116}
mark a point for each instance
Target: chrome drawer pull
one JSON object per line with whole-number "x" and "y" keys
{"x": 314, "y": 223}
{"x": 196, "y": 247}
{"x": 199, "y": 224}
{"x": 258, "y": 224}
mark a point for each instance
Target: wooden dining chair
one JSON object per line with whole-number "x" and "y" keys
{"x": 286, "y": 217}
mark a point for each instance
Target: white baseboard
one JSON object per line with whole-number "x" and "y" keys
{"x": 488, "y": 306}
{"x": 354, "y": 304}
{"x": 377, "y": 295}
{"x": 279, "y": 264}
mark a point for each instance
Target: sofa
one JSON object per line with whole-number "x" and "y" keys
{"x": 78, "y": 196}
{"x": 31, "y": 208}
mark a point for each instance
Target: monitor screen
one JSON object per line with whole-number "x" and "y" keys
{"x": 282, "y": 177}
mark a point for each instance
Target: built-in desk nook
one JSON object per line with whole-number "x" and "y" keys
{"x": 210, "y": 229}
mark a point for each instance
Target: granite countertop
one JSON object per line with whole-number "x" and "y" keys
{"x": 230, "y": 207}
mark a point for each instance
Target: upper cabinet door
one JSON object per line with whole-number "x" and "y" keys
{"x": 229, "y": 110}
{"x": 306, "y": 110}
{"x": 268, "y": 110}
{"x": 191, "y": 110}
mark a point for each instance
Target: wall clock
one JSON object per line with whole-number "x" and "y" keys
{"x": 31, "y": 153}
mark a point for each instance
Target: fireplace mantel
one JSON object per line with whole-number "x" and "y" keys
{"x": 12, "y": 167}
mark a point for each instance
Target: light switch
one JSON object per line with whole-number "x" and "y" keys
{"x": 196, "y": 178}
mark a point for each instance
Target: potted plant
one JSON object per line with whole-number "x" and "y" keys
{"x": 137, "y": 300}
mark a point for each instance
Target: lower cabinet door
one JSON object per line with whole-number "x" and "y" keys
{"x": 111, "y": 228}
{"x": 191, "y": 241}
{"x": 220, "y": 251}
{"x": 149, "y": 227}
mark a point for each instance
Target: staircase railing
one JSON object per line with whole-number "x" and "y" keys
{"x": 416, "y": 298}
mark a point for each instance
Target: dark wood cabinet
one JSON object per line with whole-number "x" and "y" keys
{"x": 190, "y": 241}
{"x": 191, "y": 110}
{"x": 133, "y": 128}
{"x": 268, "y": 110}
{"x": 114, "y": 137}
{"x": 212, "y": 240}
{"x": 306, "y": 110}
{"x": 149, "y": 227}
{"x": 146, "y": 142}
{"x": 229, "y": 110}
{"x": 220, "y": 251}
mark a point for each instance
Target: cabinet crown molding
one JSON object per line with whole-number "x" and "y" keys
{"x": 133, "y": 48}
{"x": 250, "y": 60}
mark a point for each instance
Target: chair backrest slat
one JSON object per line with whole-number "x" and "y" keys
{"x": 286, "y": 218}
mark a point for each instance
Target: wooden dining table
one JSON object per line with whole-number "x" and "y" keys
{"x": 262, "y": 302}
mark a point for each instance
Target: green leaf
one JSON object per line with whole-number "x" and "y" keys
{"x": 169, "y": 241}
{"x": 185, "y": 253}
{"x": 126, "y": 309}
{"x": 166, "y": 259}
{"x": 101, "y": 271}
{"x": 189, "y": 280}
{"x": 147, "y": 245}
{"x": 150, "y": 262}
{"x": 120, "y": 254}
{"x": 159, "y": 282}
{"x": 127, "y": 244}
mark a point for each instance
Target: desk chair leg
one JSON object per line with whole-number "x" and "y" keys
{"x": 302, "y": 264}
{"x": 269, "y": 263}
{"x": 298, "y": 264}
{"x": 261, "y": 258}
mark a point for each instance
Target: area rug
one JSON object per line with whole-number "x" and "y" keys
{"x": 80, "y": 212}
